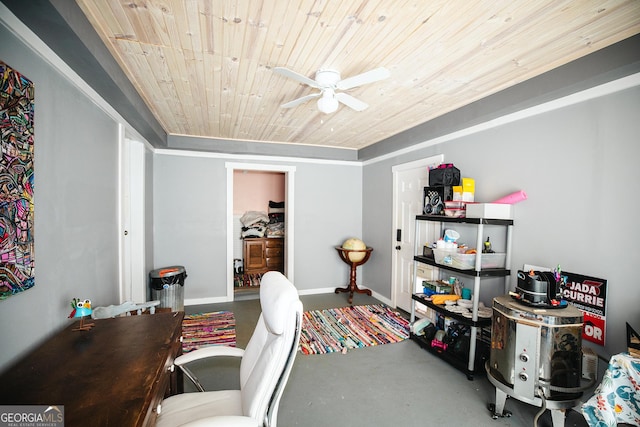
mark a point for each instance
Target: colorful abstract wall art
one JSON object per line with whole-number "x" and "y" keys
{"x": 17, "y": 272}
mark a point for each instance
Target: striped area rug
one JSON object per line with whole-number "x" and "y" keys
{"x": 205, "y": 329}
{"x": 341, "y": 329}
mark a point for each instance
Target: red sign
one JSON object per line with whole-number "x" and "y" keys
{"x": 589, "y": 295}
{"x": 593, "y": 329}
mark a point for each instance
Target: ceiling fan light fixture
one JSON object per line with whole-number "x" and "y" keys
{"x": 328, "y": 103}
{"x": 328, "y": 82}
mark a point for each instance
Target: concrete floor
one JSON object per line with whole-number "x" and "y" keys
{"x": 388, "y": 385}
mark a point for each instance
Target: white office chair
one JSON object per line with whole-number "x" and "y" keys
{"x": 264, "y": 368}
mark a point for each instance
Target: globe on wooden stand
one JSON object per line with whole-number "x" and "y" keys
{"x": 354, "y": 258}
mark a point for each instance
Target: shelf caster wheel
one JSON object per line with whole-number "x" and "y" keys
{"x": 494, "y": 415}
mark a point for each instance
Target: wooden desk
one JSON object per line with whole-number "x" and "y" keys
{"x": 113, "y": 375}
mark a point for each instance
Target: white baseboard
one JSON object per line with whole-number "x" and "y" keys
{"x": 317, "y": 291}
{"x": 211, "y": 300}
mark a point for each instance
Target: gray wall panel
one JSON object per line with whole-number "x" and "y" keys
{"x": 190, "y": 220}
{"x": 76, "y": 166}
{"x": 189, "y": 205}
{"x": 328, "y": 211}
{"x": 577, "y": 164}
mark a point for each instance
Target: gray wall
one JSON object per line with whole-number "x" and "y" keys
{"x": 190, "y": 219}
{"x": 579, "y": 168}
{"x": 577, "y": 164}
{"x": 76, "y": 164}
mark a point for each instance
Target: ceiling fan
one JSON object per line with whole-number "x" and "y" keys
{"x": 329, "y": 82}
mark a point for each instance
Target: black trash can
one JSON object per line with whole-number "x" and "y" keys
{"x": 167, "y": 286}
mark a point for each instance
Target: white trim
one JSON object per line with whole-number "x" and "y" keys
{"x": 320, "y": 291}
{"x": 382, "y": 298}
{"x": 289, "y": 215}
{"x": 260, "y": 141}
{"x": 131, "y": 218}
{"x": 421, "y": 163}
{"x": 191, "y": 153}
{"x": 289, "y": 209}
{"x": 317, "y": 291}
{"x": 585, "y": 95}
{"x": 229, "y": 258}
{"x": 209, "y": 300}
{"x": 137, "y": 191}
{"x": 260, "y": 167}
{"x": 124, "y": 267}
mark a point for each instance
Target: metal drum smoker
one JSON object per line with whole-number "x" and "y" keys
{"x": 536, "y": 355}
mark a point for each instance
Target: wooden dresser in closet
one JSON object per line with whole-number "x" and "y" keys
{"x": 262, "y": 254}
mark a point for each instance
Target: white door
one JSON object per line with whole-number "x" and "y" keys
{"x": 125, "y": 219}
{"x": 133, "y": 283}
{"x": 409, "y": 180}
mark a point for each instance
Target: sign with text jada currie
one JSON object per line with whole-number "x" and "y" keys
{"x": 589, "y": 295}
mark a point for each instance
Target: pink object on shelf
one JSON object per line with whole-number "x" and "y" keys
{"x": 512, "y": 198}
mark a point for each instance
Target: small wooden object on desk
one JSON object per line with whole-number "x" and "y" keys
{"x": 352, "y": 286}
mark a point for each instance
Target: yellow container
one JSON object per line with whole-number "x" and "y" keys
{"x": 468, "y": 185}
{"x": 468, "y": 189}
{"x": 457, "y": 192}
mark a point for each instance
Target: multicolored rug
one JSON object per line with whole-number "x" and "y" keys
{"x": 205, "y": 329}
{"x": 341, "y": 329}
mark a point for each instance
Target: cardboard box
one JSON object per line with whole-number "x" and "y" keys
{"x": 489, "y": 210}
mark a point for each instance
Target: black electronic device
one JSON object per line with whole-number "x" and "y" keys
{"x": 539, "y": 289}
{"x": 434, "y": 198}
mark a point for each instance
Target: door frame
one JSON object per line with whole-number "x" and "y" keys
{"x": 289, "y": 190}
{"x": 415, "y": 164}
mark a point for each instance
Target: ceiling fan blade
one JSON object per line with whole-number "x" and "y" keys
{"x": 302, "y": 100}
{"x": 351, "y": 102}
{"x": 295, "y": 76}
{"x": 364, "y": 78}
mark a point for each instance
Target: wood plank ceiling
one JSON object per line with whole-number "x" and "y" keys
{"x": 204, "y": 67}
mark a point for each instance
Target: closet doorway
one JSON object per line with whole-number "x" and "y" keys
{"x": 259, "y": 224}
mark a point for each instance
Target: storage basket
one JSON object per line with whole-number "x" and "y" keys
{"x": 468, "y": 261}
{"x": 444, "y": 256}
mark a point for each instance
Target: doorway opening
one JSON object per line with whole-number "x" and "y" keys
{"x": 277, "y": 251}
{"x": 258, "y": 227}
